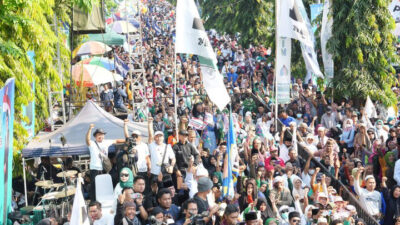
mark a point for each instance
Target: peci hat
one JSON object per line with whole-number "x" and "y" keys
{"x": 204, "y": 184}
{"x": 250, "y": 216}
{"x": 129, "y": 204}
{"x": 98, "y": 131}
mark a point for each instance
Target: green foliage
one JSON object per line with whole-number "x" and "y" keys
{"x": 26, "y": 26}
{"x": 363, "y": 48}
{"x": 252, "y": 19}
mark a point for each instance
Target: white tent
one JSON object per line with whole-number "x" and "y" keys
{"x": 74, "y": 132}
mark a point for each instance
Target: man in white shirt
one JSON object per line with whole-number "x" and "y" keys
{"x": 96, "y": 216}
{"x": 157, "y": 151}
{"x": 141, "y": 150}
{"x": 98, "y": 151}
{"x": 370, "y": 198}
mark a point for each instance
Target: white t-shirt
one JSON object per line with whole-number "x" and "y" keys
{"x": 106, "y": 219}
{"x": 284, "y": 152}
{"x": 156, "y": 155}
{"x": 372, "y": 200}
{"x": 142, "y": 152}
{"x": 95, "y": 160}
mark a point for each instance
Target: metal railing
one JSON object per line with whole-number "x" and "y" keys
{"x": 346, "y": 193}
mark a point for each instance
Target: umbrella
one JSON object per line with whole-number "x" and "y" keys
{"x": 110, "y": 37}
{"x": 91, "y": 48}
{"x": 106, "y": 63}
{"x": 91, "y": 75}
{"x": 123, "y": 27}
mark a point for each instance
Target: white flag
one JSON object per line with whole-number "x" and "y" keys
{"x": 79, "y": 214}
{"x": 326, "y": 33}
{"x": 191, "y": 38}
{"x": 308, "y": 52}
{"x": 292, "y": 24}
{"x": 370, "y": 109}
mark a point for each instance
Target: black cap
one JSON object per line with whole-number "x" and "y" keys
{"x": 250, "y": 216}
{"x": 294, "y": 214}
{"x": 99, "y": 131}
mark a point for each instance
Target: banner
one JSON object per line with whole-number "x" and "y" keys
{"x": 292, "y": 23}
{"x": 191, "y": 38}
{"x": 284, "y": 51}
{"x": 394, "y": 9}
{"x": 326, "y": 33}
{"x": 308, "y": 52}
{"x": 6, "y": 146}
{"x": 29, "y": 111}
{"x": 228, "y": 181}
{"x": 316, "y": 10}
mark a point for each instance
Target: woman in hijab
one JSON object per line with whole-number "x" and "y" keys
{"x": 125, "y": 180}
{"x": 347, "y": 138}
{"x": 392, "y": 199}
{"x": 264, "y": 209}
{"x": 390, "y": 159}
{"x": 381, "y": 130}
{"x": 362, "y": 144}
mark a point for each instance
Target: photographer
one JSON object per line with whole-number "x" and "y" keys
{"x": 190, "y": 211}
{"x": 142, "y": 153}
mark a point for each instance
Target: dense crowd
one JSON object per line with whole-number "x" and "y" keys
{"x": 176, "y": 175}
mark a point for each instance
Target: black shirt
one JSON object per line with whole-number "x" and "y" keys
{"x": 202, "y": 205}
{"x": 183, "y": 153}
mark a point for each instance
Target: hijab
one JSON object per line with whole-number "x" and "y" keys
{"x": 387, "y": 155}
{"x": 268, "y": 211}
{"x": 129, "y": 182}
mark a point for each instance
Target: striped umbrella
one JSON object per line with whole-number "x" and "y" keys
{"x": 91, "y": 48}
{"x": 91, "y": 75}
{"x": 100, "y": 61}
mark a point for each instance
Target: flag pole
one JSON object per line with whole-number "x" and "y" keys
{"x": 175, "y": 84}
{"x": 276, "y": 67}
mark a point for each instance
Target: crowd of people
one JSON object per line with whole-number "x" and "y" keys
{"x": 177, "y": 172}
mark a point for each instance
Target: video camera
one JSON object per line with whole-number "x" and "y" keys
{"x": 199, "y": 218}
{"x": 130, "y": 144}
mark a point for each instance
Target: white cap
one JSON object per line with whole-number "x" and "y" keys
{"x": 321, "y": 128}
{"x": 322, "y": 220}
{"x": 369, "y": 177}
{"x": 278, "y": 179}
{"x": 338, "y": 199}
{"x": 137, "y": 132}
{"x": 158, "y": 133}
{"x": 322, "y": 195}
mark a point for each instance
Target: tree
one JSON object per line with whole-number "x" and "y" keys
{"x": 363, "y": 49}
{"x": 26, "y": 26}
{"x": 252, "y": 19}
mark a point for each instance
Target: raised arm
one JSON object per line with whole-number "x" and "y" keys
{"x": 89, "y": 132}
{"x": 357, "y": 187}
{"x": 150, "y": 128}
{"x": 126, "y": 132}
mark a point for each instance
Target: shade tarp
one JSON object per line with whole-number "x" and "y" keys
{"x": 49, "y": 144}
{"x": 109, "y": 38}
{"x": 89, "y": 23}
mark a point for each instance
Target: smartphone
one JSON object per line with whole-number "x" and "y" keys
{"x": 135, "y": 195}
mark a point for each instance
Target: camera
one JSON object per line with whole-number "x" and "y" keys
{"x": 198, "y": 219}
{"x": 130, "y": 144}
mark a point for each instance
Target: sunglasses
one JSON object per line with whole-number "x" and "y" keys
{"x": 285, "y": 211}
{"x": 296, "y": 221}
{"x": 124, "y": 175}
{"x": 135, "y": 136}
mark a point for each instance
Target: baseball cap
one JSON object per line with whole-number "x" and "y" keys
{"x": 158, "y": 133}
{"x": 137, "y": 132}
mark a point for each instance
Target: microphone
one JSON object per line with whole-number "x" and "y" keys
{"x": 60, "y": 161}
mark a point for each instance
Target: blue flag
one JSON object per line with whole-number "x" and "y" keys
{"x": 228, "y": 179}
